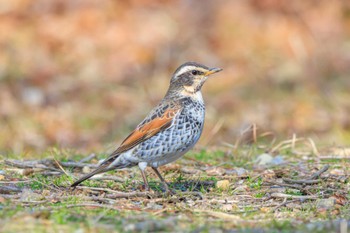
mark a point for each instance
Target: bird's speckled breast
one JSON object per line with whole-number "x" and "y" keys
{"x": 176, "y": 140}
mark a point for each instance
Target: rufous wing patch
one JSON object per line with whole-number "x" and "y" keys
{"x": 147, "y": 130}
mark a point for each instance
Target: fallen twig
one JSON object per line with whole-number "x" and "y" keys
{"x": 117, "y": 194}
{"x": 114, "y": 178}
{"x": 285, "y": 202}
{"x": 319, "y": 172}
{"x": 48, "y": 173}
{"x": 214, "y": 201}
{"x": 47, "y": 164}
{"x": 295, "y": 186}
{"x": 96, "y": 189}
{"x": 78, "y": 164}
{"x": 10, "y": 196}
{"x": 88, "y": 158}
{"x": 91, "y": 205}
{"x": 199, "y": 194}
{"x": 219, "y": 215}
{"x": 132, "y": 194}
{"x": 9, "y": 189}
{"x": 283, "y": 195}
{"x": 29, "y": 164}
{"x": 15, "y": 181}
{"x": 25, "y": 203}
{"x": 304, "y": 182}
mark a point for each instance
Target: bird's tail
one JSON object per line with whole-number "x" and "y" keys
{"x": 102, "y": 168}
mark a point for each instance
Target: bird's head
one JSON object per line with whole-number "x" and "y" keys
{"x": 190, "y": 77}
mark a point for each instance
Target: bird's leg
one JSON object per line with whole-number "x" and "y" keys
{"x": 145, "y": 180}
{"x": 161, "y": 179}
{"x": 142, "y": 167}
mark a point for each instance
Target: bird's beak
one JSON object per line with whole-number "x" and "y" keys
{"x": 212, "y": 71}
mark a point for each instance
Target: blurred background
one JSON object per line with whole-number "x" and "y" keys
{"x": 82, "y": 74}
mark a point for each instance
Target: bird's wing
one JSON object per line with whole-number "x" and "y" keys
{"x": 155, "y": 122}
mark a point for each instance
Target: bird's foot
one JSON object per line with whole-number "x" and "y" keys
{"x": 145, "y": 188}
{"x": 169, "y": 192}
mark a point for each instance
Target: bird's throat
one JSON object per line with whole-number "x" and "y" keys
{"x": 190, "y": 90}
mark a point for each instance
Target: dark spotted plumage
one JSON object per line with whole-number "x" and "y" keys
{"x": 169, "y": 131}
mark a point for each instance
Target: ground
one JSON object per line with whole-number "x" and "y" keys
{"x": 291, "y": 186}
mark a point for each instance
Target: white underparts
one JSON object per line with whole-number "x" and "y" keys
{"x": 142, "y": 165}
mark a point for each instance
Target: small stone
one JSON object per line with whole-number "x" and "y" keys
{"x": 216, "y": 171}
{"x": 335, "y": 212}
{"x": 45, "y": 193}
{"x": 269, "y": 174}
{"x": 291, "y": 190}
{"x": 277, "y": 160}
{"x": 28, "y": 171}
{"x": 223, "y": 184}
{"x": 241, "y": 189}
{"x": 29, "y": 195}
{"x": 263, "y": 159}
{"x": 325, "y": 204}
{"x": 240, "y": 182}
{"x": 236, "y": 171}
{"x": 33, "y": 96}
{"x": 265, "y": 209}
{"x": 5, "y": 189}
{"x": 227, "y": 207}
{"x": 171, "y": 167}
{"x": 17, "y": 170}
{"x": 189, "y": 170}
{"x": 266, "y": 159}
{"x": 86, "y": 169}
{"x": 154, "y": 206}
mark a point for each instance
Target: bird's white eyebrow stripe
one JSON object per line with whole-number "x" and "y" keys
{"x": 188, "y": 68}
{"x": 184, "y": 70}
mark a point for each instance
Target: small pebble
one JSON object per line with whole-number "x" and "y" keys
{"x": 86, "y": 169}
{"x": 215, "y": 171}
{"x": 227, "y": 207}
{"x": 236, "y": 171}
{"x": 223, "y": 184}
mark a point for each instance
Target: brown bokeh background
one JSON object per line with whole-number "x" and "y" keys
{"x": 82, "y": 74}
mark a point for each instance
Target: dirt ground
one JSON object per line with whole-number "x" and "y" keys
{"x": 251, "y": 188}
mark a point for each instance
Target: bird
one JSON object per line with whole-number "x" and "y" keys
{"x": 171, "y": 129}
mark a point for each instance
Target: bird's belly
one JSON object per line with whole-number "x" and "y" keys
{"x": 173, "y": 142}
{"x": 162, "y": 160}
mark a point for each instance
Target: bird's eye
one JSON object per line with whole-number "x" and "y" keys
{"x": 194, "y": 72}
